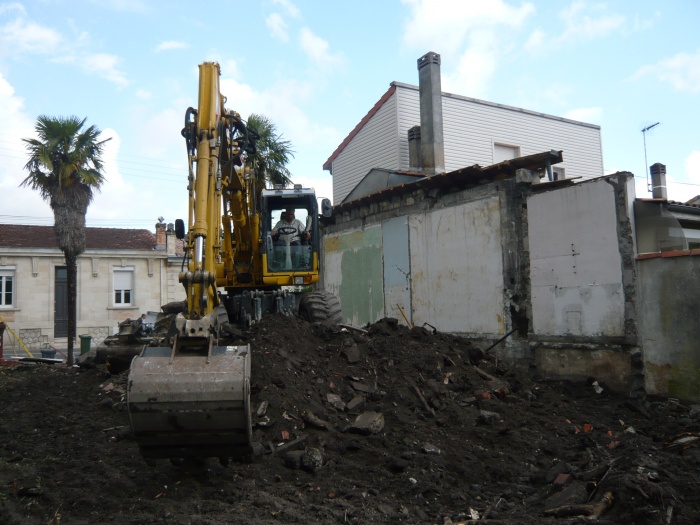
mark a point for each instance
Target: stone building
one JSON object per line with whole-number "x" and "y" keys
{"x": 122, "y": 274}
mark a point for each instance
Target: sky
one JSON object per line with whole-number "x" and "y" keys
{"x": 130, "y": 67}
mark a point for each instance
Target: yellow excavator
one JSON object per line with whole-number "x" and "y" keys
{"x": 250, "y": 252}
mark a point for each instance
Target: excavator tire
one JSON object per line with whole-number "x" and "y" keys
{"x": 321, "y": 306}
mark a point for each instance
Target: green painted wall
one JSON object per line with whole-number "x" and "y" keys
{"x": 354, "y": 272}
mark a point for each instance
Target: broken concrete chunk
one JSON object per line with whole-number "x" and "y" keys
{"x": 352, "y": 353}
{"x": 368, "y": 423}
{"x": 312, "y": 459}
{"x": 385, "y": 509}
{"x": 430, "y": 449}
{"x": 356, "y": 403}
{"x": 572, "y": 495}
{"x": 336, "y": 401}
{"x": 361, "y": 387}
{"x": 488, "y": 417}
{"x": 694, "y": 412}
{"x": 262, "y": 408}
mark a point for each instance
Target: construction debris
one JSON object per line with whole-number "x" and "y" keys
{"x": 411, "y": 433}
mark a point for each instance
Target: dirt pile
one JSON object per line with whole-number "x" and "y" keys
{"x": 384, "y": 425}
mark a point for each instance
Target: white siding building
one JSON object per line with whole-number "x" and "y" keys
{"x": 475, "y": 132}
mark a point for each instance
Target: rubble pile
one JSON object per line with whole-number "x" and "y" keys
{"x": 375, "y": 425}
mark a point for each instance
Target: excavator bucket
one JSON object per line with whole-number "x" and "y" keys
{"x": 191, "y": 401}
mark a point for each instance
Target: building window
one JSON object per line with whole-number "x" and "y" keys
{"x": 558, "y": 173}
{"x": 502, "y": 152}
{"x": 123, "y": 287}
{"x": 7, "y": 288}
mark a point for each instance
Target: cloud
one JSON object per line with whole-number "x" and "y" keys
{"x": 592, "y": 115}
{"x": 287, "y": 6}
{"x": 469, "y": 34}
{"x": 317, "y": 49}
{"x": 444, "y": 26}
{"x": 277, "y": 26}
{"x": 580, "y": 21}
{"x": 169, "y": 45}
{"x": 14, "y": 6}
{"x": 31, "y": 38}
{"x": 143, "y": 94}
{"x": 276, "y": 22}
{"x": 143, "y": 187}
{"x": 584, "y": 21}
{"x": 20, "y": 205}
{"x": 27, "y": 37}
{"x": 116, "y": 197}
{"x": 475, "y": 66}
{"x": 285, "y": 104}
{"x": 101, "y": 64}
{"x": 682, "y": 71}
{"x": 229, "y": 68}
{"x": 132, "y": 6}
{"x": 536, "y": 40}
{"x": 105, "y": 66}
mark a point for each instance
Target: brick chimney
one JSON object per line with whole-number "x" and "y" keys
{"x": 430, "y": 87}
{"x": 160, "y": 236}
{"x": 658, "y": 181}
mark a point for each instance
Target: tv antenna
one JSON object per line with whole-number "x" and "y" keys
{"x": 646, "y": 163}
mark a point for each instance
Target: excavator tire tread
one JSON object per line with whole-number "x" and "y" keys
{"x": 321, "y": 306}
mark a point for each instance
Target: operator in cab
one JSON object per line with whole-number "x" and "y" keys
{"x": 289, "y": 231}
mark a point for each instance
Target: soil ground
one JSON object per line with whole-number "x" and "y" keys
{"x": 445, "y": 435}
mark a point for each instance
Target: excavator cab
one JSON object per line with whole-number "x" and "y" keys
{"x": 291, "y": 240}
{"x": 290, "y": 232}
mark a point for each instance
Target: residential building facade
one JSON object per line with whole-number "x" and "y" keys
{"x": 472, "y": 132}
{"x": 122, "y": 274}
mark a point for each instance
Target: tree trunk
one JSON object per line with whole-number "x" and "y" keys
{"x": 72, "y": 269}
{"x": 69, "y": 207}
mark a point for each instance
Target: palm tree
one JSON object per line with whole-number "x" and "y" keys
{"x": 65, "y": 167}
{"x": 272, "y": 153}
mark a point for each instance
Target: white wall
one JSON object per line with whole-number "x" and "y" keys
{"x": 470, "y": 129}
{"x": 457, "y": 268}
{"x": 575, "y": 261}
{"x": 374, "y": 146}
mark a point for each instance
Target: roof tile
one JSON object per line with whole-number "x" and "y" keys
{"x": 27, "y": 236}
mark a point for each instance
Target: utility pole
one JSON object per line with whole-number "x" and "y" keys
{"x": 646, "y": 163}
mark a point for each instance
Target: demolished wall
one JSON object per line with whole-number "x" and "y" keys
{"x": 553, "y": 269}
{"x": 583, "y": 281}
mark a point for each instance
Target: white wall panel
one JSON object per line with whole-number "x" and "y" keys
{"x": 374, "y": 146}
{"x": 575, "y": 262}
{"x": 457, "y": 268}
